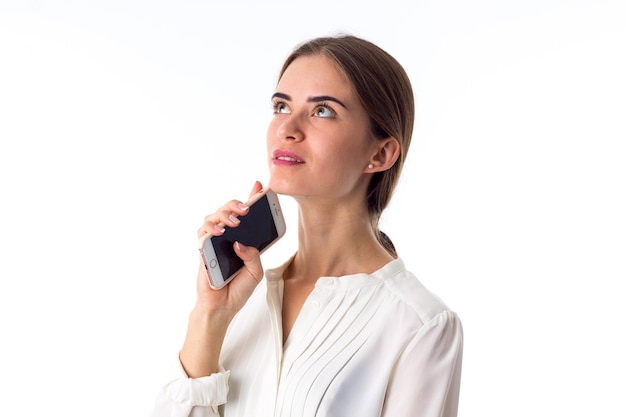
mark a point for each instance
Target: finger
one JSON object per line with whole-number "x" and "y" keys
{"x": 210, "y": 228}
{"x": 223, "y": 213}
{"x": 256, "y": 188}
{"x": 226, "y": 216}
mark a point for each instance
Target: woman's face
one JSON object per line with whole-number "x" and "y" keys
{"x": 319, "y": 142}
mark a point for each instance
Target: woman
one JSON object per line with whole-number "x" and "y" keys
{"x": 342, "y": 328}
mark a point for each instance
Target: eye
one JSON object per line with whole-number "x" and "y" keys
{"x": 280, "y": 107}
{"x": 324, "y": 111}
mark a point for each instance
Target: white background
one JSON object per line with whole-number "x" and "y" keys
{"x": 122, "y": 123}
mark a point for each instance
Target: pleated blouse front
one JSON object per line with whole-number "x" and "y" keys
{"x": 363, "y": 345}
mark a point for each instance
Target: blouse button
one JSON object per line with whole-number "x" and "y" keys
{"x": 316, "y": 304}
{"x": 325, "y": 284}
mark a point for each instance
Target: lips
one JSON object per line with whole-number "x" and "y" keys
{"x": 284, "y": 157}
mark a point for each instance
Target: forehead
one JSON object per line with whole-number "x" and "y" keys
{"x": 316, "y": 74}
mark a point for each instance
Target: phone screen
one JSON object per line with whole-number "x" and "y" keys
{"x": 256, "y": 229}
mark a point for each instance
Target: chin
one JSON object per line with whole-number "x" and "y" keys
{"x": 289, "y": 187}
{"x": 281, "y": 186}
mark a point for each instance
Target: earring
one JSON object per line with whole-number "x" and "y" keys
{"x": 370, "y": 166}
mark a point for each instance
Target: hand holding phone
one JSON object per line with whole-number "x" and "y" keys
{"x": 260, "y": 227}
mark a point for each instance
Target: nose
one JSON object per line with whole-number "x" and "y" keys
{"x": 290, "y": 129}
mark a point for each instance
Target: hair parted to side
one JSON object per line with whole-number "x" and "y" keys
{"x": 385, "y": 91}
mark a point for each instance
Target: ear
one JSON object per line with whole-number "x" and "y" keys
{"x": 387, "y": 152}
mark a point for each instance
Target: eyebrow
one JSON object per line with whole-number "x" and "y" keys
{"x": 314, "y": 99}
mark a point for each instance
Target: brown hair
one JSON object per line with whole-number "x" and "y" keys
{"x": 385, "y": 91}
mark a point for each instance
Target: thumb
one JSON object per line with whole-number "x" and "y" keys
{"x": 251, "y": 259}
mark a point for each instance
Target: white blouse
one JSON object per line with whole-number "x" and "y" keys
{"x": 363, "y": 345}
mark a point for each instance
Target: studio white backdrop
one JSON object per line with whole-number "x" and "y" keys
{"x": 123, "y": 123}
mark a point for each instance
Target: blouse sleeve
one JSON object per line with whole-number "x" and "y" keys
{"x": 427, "y": 377}
{"x": 182, "y": 396}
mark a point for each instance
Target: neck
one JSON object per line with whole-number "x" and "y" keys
{"x": 336, "y": 240}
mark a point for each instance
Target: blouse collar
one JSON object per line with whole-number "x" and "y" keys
{"x": 357, "y": 280}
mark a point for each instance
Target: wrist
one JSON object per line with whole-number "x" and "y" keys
{"x": 200, "y": 353}
{"x": 206, "y": 314}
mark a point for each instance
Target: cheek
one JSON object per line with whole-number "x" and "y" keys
{"x": 350, "y": 150}
{"x": 270, "y": 136}
{"x": 343, "y": 162}
{"x": 270, "y": 133}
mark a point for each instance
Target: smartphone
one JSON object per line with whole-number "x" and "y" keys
{"x": 261, "y": 227}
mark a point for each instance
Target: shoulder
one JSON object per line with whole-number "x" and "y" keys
{"x": 409, "y": 291}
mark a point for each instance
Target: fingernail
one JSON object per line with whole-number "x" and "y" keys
{"x": 219, "y": 228}
{"x": 243, "y": 206}
{"x": 233, "y": 219}
{"x": 241, "y": 247}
